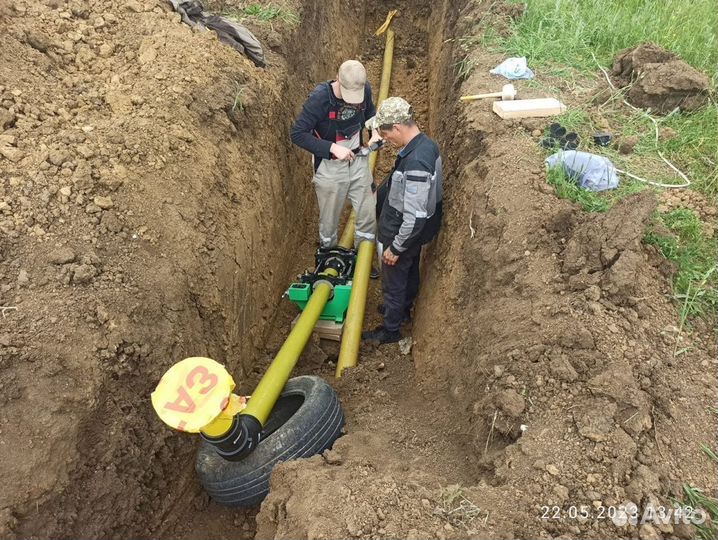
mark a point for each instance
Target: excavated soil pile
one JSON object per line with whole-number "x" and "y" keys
{"x": 151, "y": 208}
{"x": 659, "y": 80}
{"x": 146, "y": 193}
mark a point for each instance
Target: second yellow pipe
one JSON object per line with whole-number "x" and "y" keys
{"x": 351, "y": 337}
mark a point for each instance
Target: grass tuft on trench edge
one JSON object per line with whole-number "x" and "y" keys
{"x": 266, "y": 13}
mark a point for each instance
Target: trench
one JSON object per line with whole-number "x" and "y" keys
{"x": 413, "y": 78}
{"x": 418, "y": 53}
{"x": 146, "y": 486}
{"x": 423, "y": 73}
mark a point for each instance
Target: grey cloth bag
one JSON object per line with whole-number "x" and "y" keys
{"x": 230, "y": 33}
{"x": 592, "y": 172}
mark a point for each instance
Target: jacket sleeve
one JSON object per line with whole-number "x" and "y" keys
{"x": 303, "y": 129}
{"x": 417, "y": 184}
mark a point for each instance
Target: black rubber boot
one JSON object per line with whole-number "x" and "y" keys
{"x": 381, "y": 335}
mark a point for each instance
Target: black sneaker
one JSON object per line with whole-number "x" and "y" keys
{"x": 381, "y": 335}
{"x": 374, "y": 274}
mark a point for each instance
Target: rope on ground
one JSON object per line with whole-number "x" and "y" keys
{"x": 3, "y": 309}
{"x": 687, "y": 182}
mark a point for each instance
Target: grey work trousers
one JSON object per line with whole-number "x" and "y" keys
{"x": 336, "y": 181}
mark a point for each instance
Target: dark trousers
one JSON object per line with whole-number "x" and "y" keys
{"x": 400, "y": 285}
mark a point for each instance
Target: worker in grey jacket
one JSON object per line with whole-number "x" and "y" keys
{"x": 330, "y": 127}
{"x": 410, "y": 215}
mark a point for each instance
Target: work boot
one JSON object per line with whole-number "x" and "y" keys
{"x": 381, "y": 308}
{"x": 381, "y": 335}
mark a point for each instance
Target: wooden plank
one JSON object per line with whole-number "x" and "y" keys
{"x": 329, "y": 330}
{"x": 325, "y": 329}
{"x": 529, "y": 108}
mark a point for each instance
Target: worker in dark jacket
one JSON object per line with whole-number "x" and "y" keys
{"x": 330, "y": 127}
{"x": 410, "y": 215}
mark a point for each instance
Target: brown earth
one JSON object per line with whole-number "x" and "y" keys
{"x": 145, "y": 218}
{"x": 658, "y": 80}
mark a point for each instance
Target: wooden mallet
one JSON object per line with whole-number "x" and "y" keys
{"x": 508, "y": 93}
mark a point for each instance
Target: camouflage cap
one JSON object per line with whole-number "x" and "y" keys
{"x": 393, "y": 110}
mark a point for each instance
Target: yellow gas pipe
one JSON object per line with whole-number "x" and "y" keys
{"x": 267, "y": 392}
{"x": 347, "y": 238}
{"x": 195, "y": 409}
{"x": 351, "y": 337}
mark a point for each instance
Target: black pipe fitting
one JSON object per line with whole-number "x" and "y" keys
{"x": 572, "y": 137}
{"x": 337, "y": 258}
{"x": 548, "y": 142}
{"x": 602, "y": 138}
{"x": 570, "y": 141}
{"x": 557, "y": 130}
{"x": 337, "y": 264}
{"x": 561, "y": 138}
{"x": 241, "y": 439}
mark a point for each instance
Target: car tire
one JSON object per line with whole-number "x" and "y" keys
{"x": 305, "y": 421}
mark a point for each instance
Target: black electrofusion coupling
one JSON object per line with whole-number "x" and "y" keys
{"x": 241, "y": 439}
{"x": 337, "y": 258}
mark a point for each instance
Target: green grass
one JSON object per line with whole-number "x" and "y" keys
{"x": 238, "y": 104}
{"x": 574, "y": 120}
{"x": 464, "y": 67}
{"x": 265, "y": 13}
{"x": 680, "y": 238}
{"x": 695, "y": 146}
{"x": 696, "y": 498}
{"x": 566, "y": 188}
{"x": 568, "y": 31}
{"x": 692, "y": 149}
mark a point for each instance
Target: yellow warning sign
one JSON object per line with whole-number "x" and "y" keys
{"x": 192, "y": 393}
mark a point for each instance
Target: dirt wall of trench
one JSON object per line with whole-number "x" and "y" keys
{"x": 146, "y": 216}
